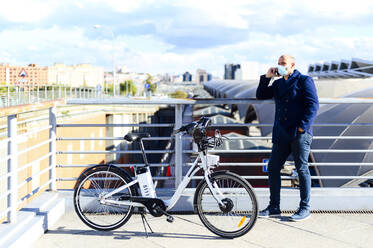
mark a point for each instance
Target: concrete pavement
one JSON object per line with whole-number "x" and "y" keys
{"x": 321, "y": 230}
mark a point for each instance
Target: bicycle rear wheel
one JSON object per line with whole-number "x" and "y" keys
{"x": 240, "y": 212}
{"x": 95, "y": 183}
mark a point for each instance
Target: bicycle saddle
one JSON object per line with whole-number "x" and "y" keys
{"x": 136, "y": 136}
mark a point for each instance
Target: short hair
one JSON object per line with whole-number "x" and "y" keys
{"x": 288, "y": 58}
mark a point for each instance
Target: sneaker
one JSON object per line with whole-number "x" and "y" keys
{"x": 301, "y": 214}
{"x": 270, "y": 212}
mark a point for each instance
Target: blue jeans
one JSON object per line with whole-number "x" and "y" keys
{"x": 300, "y": 149}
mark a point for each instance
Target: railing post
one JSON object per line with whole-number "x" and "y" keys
{"x": 52, "y": 148}
{"x": 178, "y": 145}
{"x": 8, "y": 95}
{"x": 29, "y": 93}
{"x": 12, "y": 169}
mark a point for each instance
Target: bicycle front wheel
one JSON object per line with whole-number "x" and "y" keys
{"x": 240, "y": 210}
{"x": 98, "y": 182}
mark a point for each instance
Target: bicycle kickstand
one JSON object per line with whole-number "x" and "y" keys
{"x": 143, "y": 218}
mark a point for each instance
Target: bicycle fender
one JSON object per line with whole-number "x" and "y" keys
{"x": 120, "y": 170}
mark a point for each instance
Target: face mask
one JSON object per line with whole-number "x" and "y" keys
{"x": 282, "y": 70}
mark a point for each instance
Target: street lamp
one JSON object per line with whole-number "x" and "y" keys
{"x": 97, "y": 26}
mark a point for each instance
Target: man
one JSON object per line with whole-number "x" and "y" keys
{"x": 296, "y": 104}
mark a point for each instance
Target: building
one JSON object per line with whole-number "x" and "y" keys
{"x": 23, "y": 75}
{"x": 76, "y": 75}
{"x": 209, "y": 76}
{"x": 229, "y": 70}
{"x": 58, "y": 74}
{"x": 201, "y": 76}
{"x": 187, "y": 77}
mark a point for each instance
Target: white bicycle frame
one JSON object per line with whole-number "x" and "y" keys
{"x": 207, "y": 164}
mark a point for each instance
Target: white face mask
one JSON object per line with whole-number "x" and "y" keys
{"x": 282, "y": 70}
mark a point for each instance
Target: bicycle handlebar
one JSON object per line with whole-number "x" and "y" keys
{"x": 202, "y": 123}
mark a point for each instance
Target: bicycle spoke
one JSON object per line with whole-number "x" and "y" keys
{"x": 92, "y": 211}
{"x": 236, "y": 216}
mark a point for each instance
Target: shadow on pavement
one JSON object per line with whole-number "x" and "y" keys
{"x": 131, "y": 234}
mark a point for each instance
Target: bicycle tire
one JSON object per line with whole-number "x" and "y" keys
{"x": 240, "y": 197}
{"x": 101, "y": 180}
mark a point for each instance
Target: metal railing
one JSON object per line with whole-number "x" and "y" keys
{"x": 11, "y": 95}
{"x": 179, "y": 151}
{"x": 13, "y": 193}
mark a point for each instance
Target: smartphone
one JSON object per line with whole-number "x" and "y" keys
{"x": 276, "y": 72}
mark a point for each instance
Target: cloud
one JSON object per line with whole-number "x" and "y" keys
{"x": 174, "y": 35}
{"x": 26, "y": 11}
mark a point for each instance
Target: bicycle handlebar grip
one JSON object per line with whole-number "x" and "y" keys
{"x": 204, "y": 121}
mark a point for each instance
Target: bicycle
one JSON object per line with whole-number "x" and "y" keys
{"x": 105, "y": 195}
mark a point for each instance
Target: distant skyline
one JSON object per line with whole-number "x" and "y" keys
{"x": 174, "y": 36}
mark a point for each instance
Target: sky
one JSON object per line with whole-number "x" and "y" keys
{"x": 174, "y": 36}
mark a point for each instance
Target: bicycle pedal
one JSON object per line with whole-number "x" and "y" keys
{"x": 170, "y": 219}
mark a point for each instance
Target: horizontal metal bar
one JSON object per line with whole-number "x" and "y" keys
{"x": 290, "y": 163}
{"x": 125, "y": 100}
{"x": 3, "y": 133}
{"x": 213, "y": 101}
{"x": 294, "y": 177}
{"x": 343, "y": 137}
{"x": 29, "y": 179}
{"x": 33, "y": 131}
{"x": 35, "y": 146}
{"x": 342, "y": 124}
{"x": 75, "y": 178}
{"x": 117, "y": 125}
{"x": 269, "y": 151}
{"x": 271, "y": 124}
{"x": 242, "y": 125}
{"x": 119, "y": 165}
{"x": 33, "y": 192}
{"x": 110, "y": 138}
{"x": 203, "y": 101}
{"x": 314, "y": 137}
{"x": 112, "y": 152}
{"x": 35, "y": 161}
{"x": 212, "y": 126}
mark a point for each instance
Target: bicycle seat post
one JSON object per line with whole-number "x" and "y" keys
{"x": 143, "y": 152}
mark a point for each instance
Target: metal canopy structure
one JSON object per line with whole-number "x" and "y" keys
{"x": 227, "y": 88}
{"x": 354, "y": 68}
{"x": 339, "y": 126}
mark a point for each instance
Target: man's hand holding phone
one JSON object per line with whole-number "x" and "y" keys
{"x": 272, "y": 72}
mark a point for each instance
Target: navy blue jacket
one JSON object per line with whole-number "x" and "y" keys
{"x": 296, "y": 105}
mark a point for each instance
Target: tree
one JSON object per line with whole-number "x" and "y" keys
{"x": 128, "y": 87}
{"x": 179, "y": 94}
{"x": 149, "y": 80}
